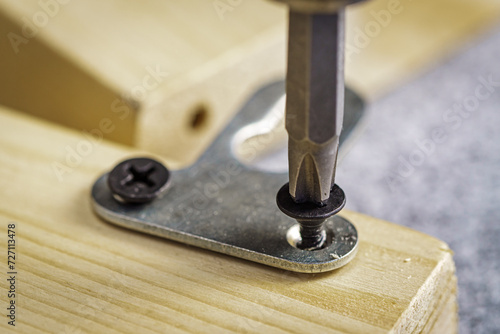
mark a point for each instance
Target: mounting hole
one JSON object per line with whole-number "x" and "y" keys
{"x": 294, "y": 239}
{"x": 199, "y": 118}
{"x": 263, "y": 145}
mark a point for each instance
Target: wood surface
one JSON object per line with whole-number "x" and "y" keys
{"x": 85, "y": 64}
{"x": 406, "y": 37}
{"x": 90, "y": 61}
{"x": 79, "y": 274}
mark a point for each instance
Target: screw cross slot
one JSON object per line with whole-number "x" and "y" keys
{"x": 138, "y": 181}
{"x": 140, "y": 174}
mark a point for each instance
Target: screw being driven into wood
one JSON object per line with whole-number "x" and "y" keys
{"x": 310, "y": 216}
{"x": 314, "y": 114}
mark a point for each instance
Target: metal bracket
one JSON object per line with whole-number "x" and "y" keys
{"x": 223, "y": 205}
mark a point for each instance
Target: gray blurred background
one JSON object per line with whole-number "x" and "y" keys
{"x": 452, "y": 191}
{"x": 429, "y": 159}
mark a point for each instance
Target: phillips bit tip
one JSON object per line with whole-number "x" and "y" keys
{"x": 315, "y": 103}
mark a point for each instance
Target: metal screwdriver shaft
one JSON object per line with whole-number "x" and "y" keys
{"x": 314, "y": 116}
{"x": 315, "y": 102}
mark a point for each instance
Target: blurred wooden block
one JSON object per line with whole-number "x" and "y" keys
{"x": 168, "y": 74}
{"x": 78, "y": 274}
{"x": 161, "y": 71}
{"x": 391, "y": 41}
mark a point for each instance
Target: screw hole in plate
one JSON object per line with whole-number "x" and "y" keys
{"x": 294, "y": 239}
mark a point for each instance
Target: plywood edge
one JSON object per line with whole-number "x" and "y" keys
{"x": 446, "y": 311}
{"x": 447, "y": 321}
{"x": 427, "y": 303}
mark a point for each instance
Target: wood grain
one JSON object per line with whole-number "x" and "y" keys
{"x": 78, "y": 274}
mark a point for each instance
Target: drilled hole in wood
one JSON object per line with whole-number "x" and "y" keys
{"x": 199, "y": 118}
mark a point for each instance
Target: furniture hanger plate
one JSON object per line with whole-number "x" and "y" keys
{"x": 223, "y": 205}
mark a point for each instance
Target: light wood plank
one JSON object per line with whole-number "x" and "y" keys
{"x": 415, "y": 36}
{"x": 97, "y": 56}
{"x": 80, "y": 274}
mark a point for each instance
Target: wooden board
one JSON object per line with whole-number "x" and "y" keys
{"x": 78, "y": 274}
{"x": 92, "y": 60}
{"x": 391, "y": 41}
{"x": 178, "y": 63}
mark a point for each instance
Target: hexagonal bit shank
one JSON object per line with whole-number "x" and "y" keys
{"x": 315, "y": 102}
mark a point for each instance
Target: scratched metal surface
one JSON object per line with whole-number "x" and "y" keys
{"x": 454, "y": 192}
{"x": 221, "y": 204}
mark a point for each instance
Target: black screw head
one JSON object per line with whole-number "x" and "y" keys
{"x": 138, "y": 180}
{"x": 310, "y": 211}
{"x": 310, "y": 216}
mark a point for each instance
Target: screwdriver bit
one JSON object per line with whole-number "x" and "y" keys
{"x": 315, "y": 102}
{"x": 314, "y": 116}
